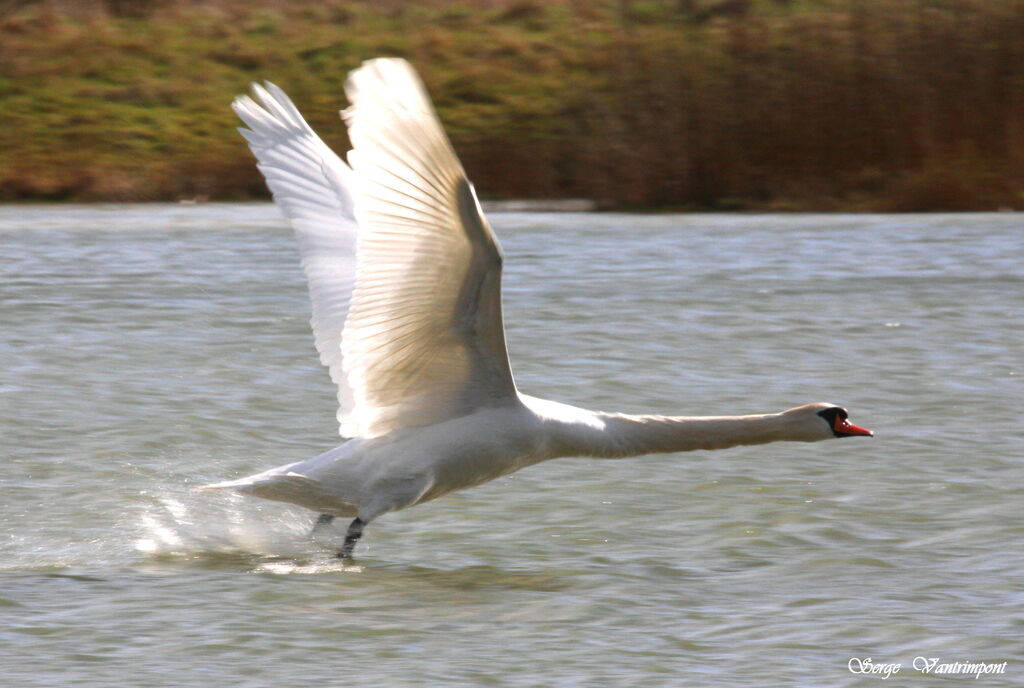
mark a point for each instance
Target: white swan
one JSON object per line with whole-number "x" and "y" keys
{"x": 404, "y": 275}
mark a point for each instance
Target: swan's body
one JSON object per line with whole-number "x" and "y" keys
{"x": 404, "y": 275}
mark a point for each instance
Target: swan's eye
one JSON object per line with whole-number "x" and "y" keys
{"x": 834, "y": 416}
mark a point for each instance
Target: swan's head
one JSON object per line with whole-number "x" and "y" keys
{"x": 825, "y": 421}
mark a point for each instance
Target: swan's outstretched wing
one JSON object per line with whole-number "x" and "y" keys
{"x": 424, "y": 339}
{"x": 313, "y": 188}
{"x": 417, "y": 337}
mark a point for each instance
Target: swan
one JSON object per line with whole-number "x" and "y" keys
{"x": 404, "y": 276}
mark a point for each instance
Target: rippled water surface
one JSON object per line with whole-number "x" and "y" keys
{"x": 145, "y": 350}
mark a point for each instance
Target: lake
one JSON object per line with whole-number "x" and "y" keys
{"x": 148, "y": 349}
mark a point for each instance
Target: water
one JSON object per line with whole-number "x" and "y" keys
{"x": 145, "y": 350}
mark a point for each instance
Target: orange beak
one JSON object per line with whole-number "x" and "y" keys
{"x": 844, "y": 427}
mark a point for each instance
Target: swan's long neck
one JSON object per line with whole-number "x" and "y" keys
{"x": 575, "y": 432}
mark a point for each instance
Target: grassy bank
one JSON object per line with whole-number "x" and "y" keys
{"x": 813, "y": 104}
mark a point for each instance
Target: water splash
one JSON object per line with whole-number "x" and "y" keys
{"x": 188, "y": 524}
{"x": 287, "y": 568}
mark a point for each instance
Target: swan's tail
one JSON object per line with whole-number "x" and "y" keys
{"x": 290, "y": 487}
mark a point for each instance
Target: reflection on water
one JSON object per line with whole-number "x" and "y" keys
{"x": 146, "y": 350}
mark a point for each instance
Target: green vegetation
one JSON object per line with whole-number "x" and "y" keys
{"x": 733, "y": 104}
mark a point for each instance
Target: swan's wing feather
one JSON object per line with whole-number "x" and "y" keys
{"x": 423, "y": 341}
{"x": 312, "y": 187}
{"x": 404, "y": 271}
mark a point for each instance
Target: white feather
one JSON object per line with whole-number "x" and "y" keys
{"x": 404, "y": 273}
{"x": 312, "y": 187}
{"x": 424, "y": 340}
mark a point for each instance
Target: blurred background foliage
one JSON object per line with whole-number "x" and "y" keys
{"x": 890, "y": 105}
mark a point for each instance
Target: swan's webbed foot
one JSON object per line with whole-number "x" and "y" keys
{"x": 355, "y": 531}
{"x": 322, "y": 522}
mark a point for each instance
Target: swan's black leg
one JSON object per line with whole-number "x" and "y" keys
{"x": 355, "y": 531}
{"x": 323, "y": 521}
